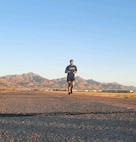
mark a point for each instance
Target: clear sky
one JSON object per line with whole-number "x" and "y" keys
{"x": 41, "y": 36}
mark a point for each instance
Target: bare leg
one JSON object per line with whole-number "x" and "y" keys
{"x": 69, "y": 87}
{"x": 72, "y": 85}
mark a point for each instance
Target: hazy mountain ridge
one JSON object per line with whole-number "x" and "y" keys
{"x": 32, "y": 80}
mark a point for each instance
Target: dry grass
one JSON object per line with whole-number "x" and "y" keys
{"x": 100, "y": 94}
{"x": 111, "y": 95}
{"x": 115, "y": 95}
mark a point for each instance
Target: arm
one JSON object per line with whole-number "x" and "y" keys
{"x": 75, "y": 70}
{"x": 67, "y": 70}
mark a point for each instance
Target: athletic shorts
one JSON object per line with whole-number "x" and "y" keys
{"x": 70, "y": 78}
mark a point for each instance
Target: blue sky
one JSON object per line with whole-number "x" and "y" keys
{"x": 41, "y": 36}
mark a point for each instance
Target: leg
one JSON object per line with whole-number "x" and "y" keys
{"x": 69, "y": 87}
{"x": 72, "y": 85}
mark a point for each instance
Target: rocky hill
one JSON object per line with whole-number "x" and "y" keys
{"x": 32, "y": 80}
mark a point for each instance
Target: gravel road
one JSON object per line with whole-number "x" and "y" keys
{"x": 54, "y": 117}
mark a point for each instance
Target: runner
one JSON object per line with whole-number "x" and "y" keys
{"x": 71, "y": 70}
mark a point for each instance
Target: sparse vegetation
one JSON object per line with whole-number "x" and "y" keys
{"x": 34, "y": 81}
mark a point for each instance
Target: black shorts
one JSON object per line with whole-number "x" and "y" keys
{"x": 70, "y": 78}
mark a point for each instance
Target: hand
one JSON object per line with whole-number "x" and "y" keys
{"x": 74, "y": 72}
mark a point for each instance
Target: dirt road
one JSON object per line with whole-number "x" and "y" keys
{"x": 41, "y": 117}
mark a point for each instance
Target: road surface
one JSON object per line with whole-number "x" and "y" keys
{"x": 57, "y": 117}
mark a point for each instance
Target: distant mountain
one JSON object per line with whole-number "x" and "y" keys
{"x": 32, "y": 80}
{"x": 24, "y": 81}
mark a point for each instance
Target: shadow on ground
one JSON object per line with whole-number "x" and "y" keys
{"x": 62, "y": 113}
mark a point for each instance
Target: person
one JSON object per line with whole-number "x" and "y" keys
{"x": 71, "y": 70}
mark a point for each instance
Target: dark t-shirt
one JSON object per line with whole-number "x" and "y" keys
{"x": 72, "y": 69}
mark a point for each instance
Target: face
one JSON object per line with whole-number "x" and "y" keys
{"x": 72, "y": 62}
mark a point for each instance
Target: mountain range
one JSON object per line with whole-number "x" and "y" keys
{"x": 32, "y": 80}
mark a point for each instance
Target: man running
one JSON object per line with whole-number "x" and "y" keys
{"x": 71, "y": 70}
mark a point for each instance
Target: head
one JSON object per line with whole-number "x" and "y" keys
{"x": 71, "y": 62}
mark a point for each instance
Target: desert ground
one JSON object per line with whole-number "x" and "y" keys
{"x": 57, "y": 117}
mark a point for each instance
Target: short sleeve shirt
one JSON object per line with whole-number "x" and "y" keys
{"x": 71, "y": 69}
